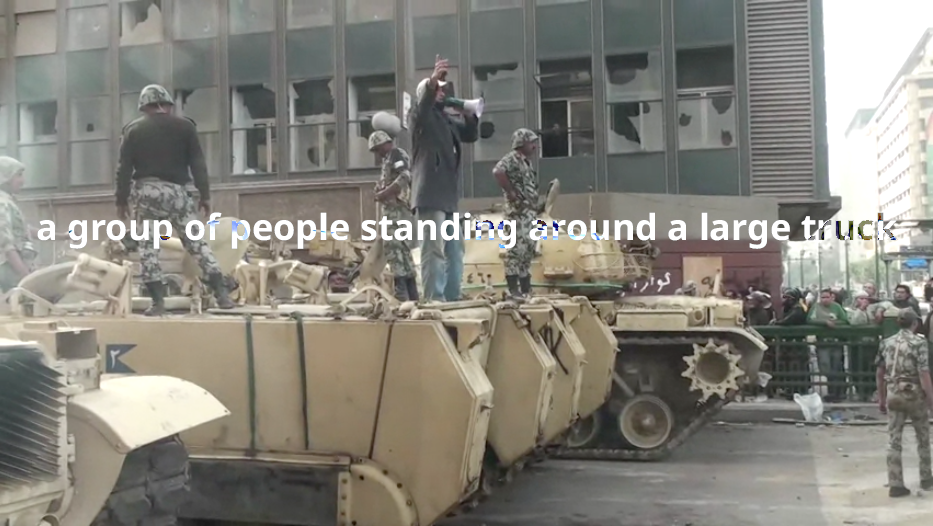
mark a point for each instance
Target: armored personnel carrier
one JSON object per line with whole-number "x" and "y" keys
{"x": 346, "y": 409}
{"x": 80, "y": 449}
{"x": 680, "y": 359}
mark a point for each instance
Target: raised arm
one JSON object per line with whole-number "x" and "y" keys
{"x": 424, "y": 104}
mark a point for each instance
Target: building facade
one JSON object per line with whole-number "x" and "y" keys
{"x": 905, "y": 182}
{"x": 716, "y": 98}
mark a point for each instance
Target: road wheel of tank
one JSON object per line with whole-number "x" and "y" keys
{"x": 151, "y": 488}
{"x": 646, "y": 422}
{"x": 586, "y": 432}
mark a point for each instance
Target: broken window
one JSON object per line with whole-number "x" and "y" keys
{"x": 566, "y": 91}
{"x": 195, "y": 19}
{"x": 38, "y": 133}
{"x": 252, "y": 118}
{"x": 706, "y": 98}
{"x": 502, "y": 85}
{"x": 359, "y": 11}
{"x": 310, "y": 13}
{"x": 140, "y": 22}
{"x": 201, "y": 106}
{"x": 251, "y": 16}
{"x": 485, "y": 5}
{"x": 634, "y": 96}
{"x": 312, "y": 125}
{"x": 367, "y": 96}
{"x": 36, "y": 33}
{"x": 88, "y": 28}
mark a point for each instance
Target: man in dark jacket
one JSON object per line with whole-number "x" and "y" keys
{"x": 437, "y": 148}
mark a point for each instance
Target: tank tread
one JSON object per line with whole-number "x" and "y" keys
{"x": 151, "y": 488}
{"x": 652, "y": 455}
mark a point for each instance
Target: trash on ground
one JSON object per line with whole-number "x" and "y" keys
{"x": 811, "y": 405}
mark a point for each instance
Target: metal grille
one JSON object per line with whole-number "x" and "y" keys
{"x": 780, "y": 90}
{"x": 32, "y": 405}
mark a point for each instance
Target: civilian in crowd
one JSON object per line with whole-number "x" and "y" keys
{"x": 758, "y": 310}
{"x": 830, "y": 359}
{"x": 859, "y": 314}
{"x": 794, "y": 308}
{"x": 904, "y": 299}
{"x": 928, "y": 291}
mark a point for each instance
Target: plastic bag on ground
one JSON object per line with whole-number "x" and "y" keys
{"x": 811, "y": 405}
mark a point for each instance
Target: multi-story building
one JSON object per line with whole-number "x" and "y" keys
{"x": 669, "y": 106}
{"x": 856, "y": 184}
{"x": 905, "y": 184}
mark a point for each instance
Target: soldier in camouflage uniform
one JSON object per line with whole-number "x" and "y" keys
{"x": 519, "y": 183}
{"x": 392, "y": 194}
{"x": 17, "y": 255}
{"x": 905, "y": 391}
{"x": 157, "y": 150}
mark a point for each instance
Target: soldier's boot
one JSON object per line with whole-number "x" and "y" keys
{"x": 157, "y": 293}
{"x": 514, "y": 286}
{"x": 926, "y": 484}
{"x": 412, "y": 285}
{"x": 525, "y": 285}
{"x": 401, "y": 288}
{"x": 219, "y": 287}
{"x": 898, "y": 491}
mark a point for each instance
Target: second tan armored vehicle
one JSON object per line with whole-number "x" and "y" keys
{"x": 680, "y": 359}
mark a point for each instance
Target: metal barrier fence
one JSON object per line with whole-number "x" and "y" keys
{"x": 838, "y": 363}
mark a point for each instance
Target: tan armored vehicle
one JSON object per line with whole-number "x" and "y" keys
{"x": 346, "y": 409}
{"x": 77, "y": 449}
{"x": 680, "y": 358}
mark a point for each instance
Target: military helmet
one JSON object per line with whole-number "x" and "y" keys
{"x": 154, "y": 94}
{"x": 378, "y": 137}
{"x": 523, "y": 136}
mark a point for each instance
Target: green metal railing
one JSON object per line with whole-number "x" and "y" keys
{"x": 847, "y": 356}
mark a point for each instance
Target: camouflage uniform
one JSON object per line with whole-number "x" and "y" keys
{"x": 164, "y": 201}
{"x": 396, "y": 170}
{"x": 14, "y": 231}
{"x": 524, "y": 208}
{"x": 905, "y": 357}
{"x": 157, "y": 192}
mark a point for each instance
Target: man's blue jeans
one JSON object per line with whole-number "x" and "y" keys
{"x": 441, "y": 261}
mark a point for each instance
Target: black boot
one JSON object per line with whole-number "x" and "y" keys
{"x": 219, "y": 287}
{"x": 412, "y": 284}
{"x": 898, "y": 491}
{"x": 514, "y": 290}
{"x": 525, "y": 285}
{"x": 926, "y": 484}
{"x": 401, "y": 288}
{"x": 157, "y": 293}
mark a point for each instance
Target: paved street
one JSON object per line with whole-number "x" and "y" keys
{"x": 728, "y": 475}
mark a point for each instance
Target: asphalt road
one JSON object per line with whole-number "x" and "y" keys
{"x": 727, "y": 475}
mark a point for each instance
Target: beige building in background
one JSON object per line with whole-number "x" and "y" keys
{"x": 900, "y": 130}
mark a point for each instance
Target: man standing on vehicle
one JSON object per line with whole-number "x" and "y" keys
{"x": 393, "y": 196}
{"x": 437, "y": 149}
{"x": 156, "y": 152}
{"x": 905, "y": 391}
{"x": 519, "y": 182}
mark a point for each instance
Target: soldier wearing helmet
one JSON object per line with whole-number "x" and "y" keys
{"x": 519, "y": 182}
{"x": 392, "y": 194}
{"x": 157, "y": 150}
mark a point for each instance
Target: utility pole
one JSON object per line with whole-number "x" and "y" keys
{"x": 848, "y": 282}
{"x": 819, "y": 265}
